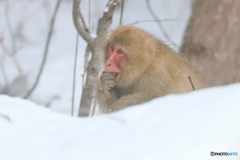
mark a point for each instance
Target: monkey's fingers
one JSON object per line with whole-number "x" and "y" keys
{"x": 106, "y": 73}
{"x": 107, "y": 94}
{"x": 104, "y": 78}
{"x": 108, "y": 87}
{"x": 109, "y": 82}
{"x": 108, "y": 77}
{"x": 115, "y": 74}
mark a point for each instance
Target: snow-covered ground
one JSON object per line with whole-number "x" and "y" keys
{"x": 182, "y": 127}
{"x": 175, "y": 127}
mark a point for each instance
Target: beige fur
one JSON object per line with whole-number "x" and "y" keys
{"x": 151, "y": 69}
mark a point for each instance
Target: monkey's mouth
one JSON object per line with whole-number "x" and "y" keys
{"x": 115, "y": 74}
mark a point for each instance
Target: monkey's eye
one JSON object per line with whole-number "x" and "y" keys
{"x": 119, "y": 51}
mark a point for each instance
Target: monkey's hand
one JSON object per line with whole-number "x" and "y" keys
{"x": 106, "y": 83}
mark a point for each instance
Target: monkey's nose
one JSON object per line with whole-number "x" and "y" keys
{"x": 109, "y": 64}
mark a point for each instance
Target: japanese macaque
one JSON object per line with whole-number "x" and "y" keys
{"x": 139, "y": 67}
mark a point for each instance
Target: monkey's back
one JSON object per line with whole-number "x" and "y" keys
{"x": 174, "y": 73}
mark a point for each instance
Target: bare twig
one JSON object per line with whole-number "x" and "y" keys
{"x": 4, "y": 77}
{"x": 163, "y": 20}
{"x": 9, "y": 26}
{"x": 15, "y": 62}
{"x": 21, "y": 74}
{"x": 159, "y": 24}
{"x": 86, "y": 61}
{"x": 74, "y": 75}
{"x": 14, "y": 49}
{"x": 83, "y": 28}
{"x": 79, "y": 23}
{"x": 89, "y": 15}
{"x": 121, "y": 15}
{"x": 193, "y": 88}
{"x": 46, "y": 49}
{"x": 3, "y": 71}
{"x": 106, "y": 20}
{"x": 6, "y": 117}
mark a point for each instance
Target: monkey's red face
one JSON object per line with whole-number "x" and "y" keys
{"x": 115, "y": 56}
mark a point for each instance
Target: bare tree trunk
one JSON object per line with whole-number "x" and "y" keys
{"x": 212, "y": 41}
{"x": 94, "y": 43}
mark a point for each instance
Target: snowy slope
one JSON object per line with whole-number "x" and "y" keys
{"x": 175, "y": 127}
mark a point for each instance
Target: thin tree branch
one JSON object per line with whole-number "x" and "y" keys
{"x": 74, "y": 75}
{"x": 121, "y": 15}
{"x": 45, "y": 50}
{"x": 86, "y": 61}
{"x": 165, "y": 34}
{"x": 163, "y": 20}
{"x": 81, "y": 27}
{"x": 89, "y": 15}
{"x": 13, "y": 41}
{"x": 4, "y": 77}
{"x": 193, "y": 87}
{"x": 79, "y": 23}
{"x": 9, "y": 26}
{"x": 106, "y": 20}
{"x": 17, "y": 65}
{"x": 19, "y": 69}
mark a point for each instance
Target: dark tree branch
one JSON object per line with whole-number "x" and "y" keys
{"x": 74, "y": 75}
{"x": 121, "y": 15}
{"x": 45, "y": 50}
{"x": 193, "y": 87}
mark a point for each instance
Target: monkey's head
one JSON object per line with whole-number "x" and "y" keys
{"x": 129, "y": 52}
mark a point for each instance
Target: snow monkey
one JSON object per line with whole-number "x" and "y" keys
{"x": 139, "y": 67}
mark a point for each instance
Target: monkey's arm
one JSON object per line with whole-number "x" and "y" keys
{"x": 132, "y": 99}
{"x": 105, "y": 93}
{"x": 105, "y": 101}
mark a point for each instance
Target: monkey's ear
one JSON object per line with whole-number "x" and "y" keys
{"x": 127, "y": 31}
{"x": 150, "y": 48}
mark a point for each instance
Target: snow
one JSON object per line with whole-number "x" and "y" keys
{"x": 187, "y": 126}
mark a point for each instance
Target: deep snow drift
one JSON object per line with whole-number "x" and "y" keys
{"x": 175, "y": 127}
